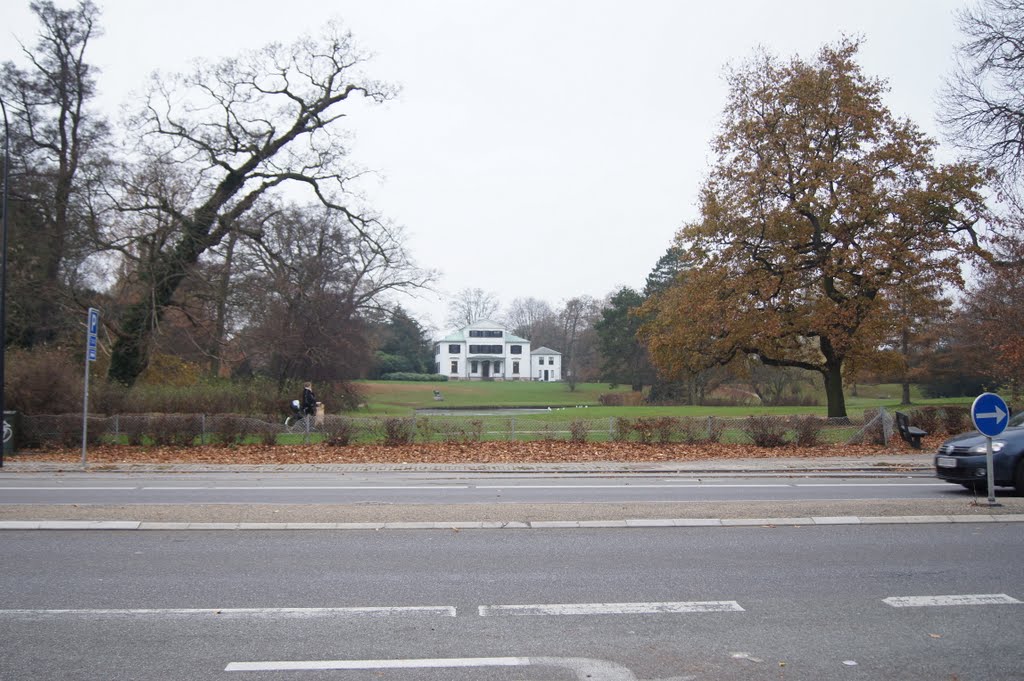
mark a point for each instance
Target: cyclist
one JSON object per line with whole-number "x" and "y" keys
{"x": 308, "y": 401}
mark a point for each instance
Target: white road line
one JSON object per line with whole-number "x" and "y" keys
{"x": 294, "y": 613}
{"x": 435, "y": 663}
{"x": 305, "y": 487}
{"x": 698, "y": 486}
{"x": 610, "y": 608}
{"x": 62, "y": 488}
{"x": 965, "y": 599}
{"x": 928, "y": 482}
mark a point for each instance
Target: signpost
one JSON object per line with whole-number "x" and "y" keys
{"x": 989, "y": 415}
{"x": 90, "y": 356}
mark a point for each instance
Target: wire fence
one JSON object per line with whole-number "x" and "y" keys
{"x": 184, "y": 430}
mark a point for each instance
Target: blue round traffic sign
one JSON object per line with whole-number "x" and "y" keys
{"x": 989, "y": 414}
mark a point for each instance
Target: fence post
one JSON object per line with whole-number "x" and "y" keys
{"x": 611, "y": 428}
{"x": 886, "y": 428}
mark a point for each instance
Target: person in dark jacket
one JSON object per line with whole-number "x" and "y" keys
{"x": 308, "y": 400}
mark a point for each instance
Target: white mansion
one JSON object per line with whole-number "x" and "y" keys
{"x": 486, "y": 350}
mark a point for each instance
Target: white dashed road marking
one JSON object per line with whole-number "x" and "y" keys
{"x": 610, "y": 608}
{"x": 295, "y": 613}
{"x": 437, "y": 663}
{"x": 965, "y": 599}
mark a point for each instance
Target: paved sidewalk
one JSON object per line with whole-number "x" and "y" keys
{"x": 838, "y": 465}
{"x": 457, "y": 525}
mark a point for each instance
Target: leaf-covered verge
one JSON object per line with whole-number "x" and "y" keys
{"x": 455, "y": 453}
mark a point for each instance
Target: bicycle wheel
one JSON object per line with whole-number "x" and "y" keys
{"x": 299, "y": 424}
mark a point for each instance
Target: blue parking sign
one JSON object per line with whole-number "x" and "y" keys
{"x": 94, "y": 327}
{"x": 989, "y": 414}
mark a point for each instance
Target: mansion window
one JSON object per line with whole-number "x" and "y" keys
{"x": 454, "y": 349}
{"x": 515, "y": 349}
{"x": 484, "y": 334}
{"x": 486, "y": 349}
{"x": 515, "y": 367}
{"x": 474, "y": 367}
{"x": 455, "y": 366}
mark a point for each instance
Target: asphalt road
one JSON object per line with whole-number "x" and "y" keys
{"x": 868, "y": 602}
{"x": 436, "y": 488}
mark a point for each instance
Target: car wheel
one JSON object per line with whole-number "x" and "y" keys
{"x": 979, "y": 487}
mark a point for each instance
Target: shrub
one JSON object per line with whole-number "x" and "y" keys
{"x": 406, "y": 376}
{"x": 807, "y": 430}
{"x": 398, "y": 432}
{"x": 339, "y": 431}
{"x": 632, "y": 399}
{"x": 765, "y": 431}
{"x": 578, "y": 431}
{"x": 453, "y": 430}
{"x": 926, "y": 418}
{"x": 623, "y": 427}
{"x": 645, "y": 429}
{"x": 425, "y": 430}
{"x": 666, "y": 427}
{"x": 172, "y": 430}
{"x": 42, "y": 381}
{"x": 231, "y": 429}
{"x": 956, "y": 419}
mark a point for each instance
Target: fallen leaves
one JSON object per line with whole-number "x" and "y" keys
{"x": 542, "y": 451}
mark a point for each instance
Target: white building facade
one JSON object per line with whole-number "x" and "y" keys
{"x": 546, "y": 364}
{"x": 483, "y": 351}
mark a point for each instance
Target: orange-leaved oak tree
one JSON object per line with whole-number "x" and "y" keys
{"x": 821, "y": 211}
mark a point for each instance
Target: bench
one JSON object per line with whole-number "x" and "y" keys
{"x": 909, "y": 433}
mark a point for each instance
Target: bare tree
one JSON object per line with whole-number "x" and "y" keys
{"x": 983, "y": 101}
{"x": 982, "y": 111}
{"x": 239, "y": 131}
{"x": 58, "y": 145}
{"x": 471, "y": 305}
{"x": 579, "y": 341}
{"x": 309, "y": 284}
{"x": 531, "y": 318}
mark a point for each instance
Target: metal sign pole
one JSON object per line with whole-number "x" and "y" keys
{"x": 92, "y": 329}
{"x": 85, "y": 408}
{"x": 989, "y": 472}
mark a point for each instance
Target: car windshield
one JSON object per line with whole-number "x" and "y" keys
{"x": 1016, "y": 420}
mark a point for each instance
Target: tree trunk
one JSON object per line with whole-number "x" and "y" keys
{"x": 220, "y": 323}
{"x": 833, "y": 374}
{"x": 130, "y": 353}
{"x": 905, "y": 347}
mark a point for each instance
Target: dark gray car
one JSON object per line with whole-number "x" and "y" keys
{"x": 961, "y": 459}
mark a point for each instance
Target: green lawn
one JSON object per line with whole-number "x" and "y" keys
{"x": 403, "y": 397}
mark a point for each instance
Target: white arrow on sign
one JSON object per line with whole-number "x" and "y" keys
{"x": 998, "y": 415}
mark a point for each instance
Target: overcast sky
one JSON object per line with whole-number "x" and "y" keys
{"x": 573, "y": 135}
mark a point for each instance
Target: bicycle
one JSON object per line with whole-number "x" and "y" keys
{"x": 299, "y": 421}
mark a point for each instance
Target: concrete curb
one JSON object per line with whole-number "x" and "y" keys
{"x": 757, "y": 467}
{"x": 514, "y": 525}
